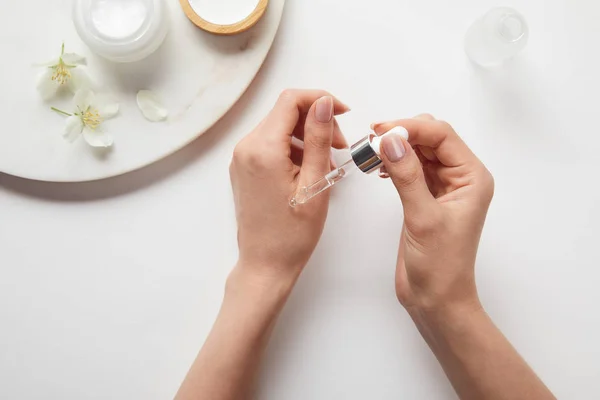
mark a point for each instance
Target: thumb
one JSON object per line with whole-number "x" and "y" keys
{"x": 404, "y": 167}
{"x": 318, "y": 137}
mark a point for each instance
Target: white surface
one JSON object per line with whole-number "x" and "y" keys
{"x": 198, "y": 75}
{"x": 224, "y": 12}
{"x": 108, "y": 289}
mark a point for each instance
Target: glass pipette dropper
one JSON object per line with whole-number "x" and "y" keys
{"x": 308, "y": 192}
{"x": 365, "y": 155}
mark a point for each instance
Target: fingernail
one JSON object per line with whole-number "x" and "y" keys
{"x": 324, "y": 109}
{"x": 375, "y": 125}
{"x": 383, "y": 173}
{"x": 393, "y": 147}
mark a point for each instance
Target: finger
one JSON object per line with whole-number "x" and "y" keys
{"x": 318, "y": 136}
{"x": 383, "y": 173}
{"x": 304, "y": 99}
{"x": 296, "y": 154}
{"x": 447, "y": 146}
{"x": 420, "y": 116}
{"x": 290, "y": 108}
{"x": 427, "y": 152}
{"x": 339, "y": 141}
{"x": 404, "y": 168}
{"x": 425, "y": 117}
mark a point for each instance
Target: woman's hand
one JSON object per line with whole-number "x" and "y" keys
{"x": 267, "y": 171}
{"x": 446, "y": 192}
{"x": 275, "y": 240}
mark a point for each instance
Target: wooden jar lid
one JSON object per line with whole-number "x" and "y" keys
{"x": 232, "y": 29}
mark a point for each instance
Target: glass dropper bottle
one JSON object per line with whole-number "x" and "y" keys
{"x": 365, "y": 155}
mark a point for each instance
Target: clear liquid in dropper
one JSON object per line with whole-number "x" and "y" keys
{"x": 308, "y": 192}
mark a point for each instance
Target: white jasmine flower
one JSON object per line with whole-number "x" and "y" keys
{"x": 62, "y": 73}
{"x": 91, "y": 111}
{"x": 151, "y": 106}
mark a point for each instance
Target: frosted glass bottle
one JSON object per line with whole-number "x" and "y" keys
{"x": 498, "y": 35}
{"x": 121, "y": 30}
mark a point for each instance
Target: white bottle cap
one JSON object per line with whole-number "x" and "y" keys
{"x": 376, "y": 141}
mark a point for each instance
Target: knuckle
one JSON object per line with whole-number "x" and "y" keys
{"x": 245, "y": 154}
{"x": 288, "y": 95}
{"x": 239, "y": 152}
{"x": 444, "y": 126}
{"x": 426, "y": 116}
{"x": 318, "y": 141}
{"x": 407, "y": 178}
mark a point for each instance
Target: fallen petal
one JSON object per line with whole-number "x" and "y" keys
{"x": 151, "y": 106}
{"x": 97, "y": 138}
{"x": 73, "y": 128}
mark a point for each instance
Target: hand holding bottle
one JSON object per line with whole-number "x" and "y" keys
{"x": 446, "y": 192}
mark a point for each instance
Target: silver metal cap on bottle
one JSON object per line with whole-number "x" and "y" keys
{"x": 364, "y": 156}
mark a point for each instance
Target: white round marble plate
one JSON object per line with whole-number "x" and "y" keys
{"x": 199, "y": 77}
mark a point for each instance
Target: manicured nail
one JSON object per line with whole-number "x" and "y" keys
{"x": 393, "y": 147}
{"x": 324, "y": 109}
{"x": 383, "y": 173}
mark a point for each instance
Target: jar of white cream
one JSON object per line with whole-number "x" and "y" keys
{"x": 121, "y": 30}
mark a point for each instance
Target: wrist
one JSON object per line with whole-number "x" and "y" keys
{"x": 260, "y": 280}
{"x": 454, "y": 319}
{"x": 253, "y": 300}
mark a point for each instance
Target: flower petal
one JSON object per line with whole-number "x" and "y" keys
{"x": 73, "y": 128}
{"x": 79, "y": 80}
{"x": 83, "y": 99}
{"x": 151, "y": 106}
{"x": 46, "y": 86}
{"x": 74, "y": 59}
{"x": 97, "y": 138}
{"x": 106, "y": 106}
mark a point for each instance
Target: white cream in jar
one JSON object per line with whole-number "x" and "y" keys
{"x": 121, "y": 30}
